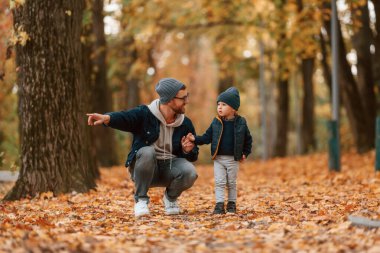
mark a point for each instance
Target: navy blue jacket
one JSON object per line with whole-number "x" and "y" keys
{"x": 242, "y": 138}
{"x": 145, "y": 128}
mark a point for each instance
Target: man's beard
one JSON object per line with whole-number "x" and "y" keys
{"x": 179, "y": 110}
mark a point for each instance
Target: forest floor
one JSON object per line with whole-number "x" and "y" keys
{"x": 284, "y": 205}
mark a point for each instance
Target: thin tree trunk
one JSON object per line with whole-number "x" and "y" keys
{"x": 54, "y": 145}
{"x": 282, "y": 112}
{"x": 133, "y": 96}
{"x": 132, "y": 81}
{"x": 104, "y": 137}
{"x": 307, "y": 125}
{"x": 324, "y": 62}
{"x": 282, "y": 118}
{"x": 362, "y": 41}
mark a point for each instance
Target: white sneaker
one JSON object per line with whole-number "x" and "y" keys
{"x": 141, "y": 208}
{"x": 171, "y": 207}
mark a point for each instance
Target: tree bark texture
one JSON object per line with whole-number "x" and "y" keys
{"x": 89, "y": 84}
{"x": 54, "y": 143}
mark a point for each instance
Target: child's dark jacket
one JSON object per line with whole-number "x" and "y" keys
{"x": 242, "y": 138}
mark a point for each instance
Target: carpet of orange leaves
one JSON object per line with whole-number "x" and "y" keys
{"x": 284, "y": 205}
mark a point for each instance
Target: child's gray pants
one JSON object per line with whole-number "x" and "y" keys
{"x": 225, "y": 174}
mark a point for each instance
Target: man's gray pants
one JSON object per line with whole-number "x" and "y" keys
{"x": 176, "y": 174}
{"x": 225, "y": 174}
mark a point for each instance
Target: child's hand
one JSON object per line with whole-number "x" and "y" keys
{"x": 243, "y": 158}
{"x": 187, "y": 145}
{"x": 190, "y": 137}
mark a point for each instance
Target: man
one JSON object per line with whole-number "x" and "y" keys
{"x": 161, "y": 154}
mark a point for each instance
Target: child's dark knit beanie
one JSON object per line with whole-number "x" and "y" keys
{"x": 167, "y": 88}
{"x": 231, "y": 97}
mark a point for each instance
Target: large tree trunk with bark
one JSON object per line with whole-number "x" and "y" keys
{"x": 102, "y": 100}
{"x": 54, "y": 143}
{"x": 282, "y": 119}
{"x": 362, "y": 40}
{"x": 351, "y": 101}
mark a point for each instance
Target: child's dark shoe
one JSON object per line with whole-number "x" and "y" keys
{"x": 231, "y": 207}
{"x": 219, "y": 208}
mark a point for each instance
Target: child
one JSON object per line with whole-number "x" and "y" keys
{"x": 231, "y": 142}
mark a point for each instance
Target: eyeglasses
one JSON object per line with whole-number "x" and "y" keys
{"x": 184, "y": 98}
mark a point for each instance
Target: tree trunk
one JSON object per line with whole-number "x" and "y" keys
{"x": 133, "y": 97}
{"x": 351, "y": 101}
{"x": 307, "y": 125}
{"x": 376, "y": 61}
{"x": 362, "y": 41}
{"x": 132, "y": 80}
{"x": 86, "y": 47}
{"x": 104, "y": 137}
{"x": 282, "y": 118}
{"x": 324, "y": 62}
{"x": 54, "y": 145}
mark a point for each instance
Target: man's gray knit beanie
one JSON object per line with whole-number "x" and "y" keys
{"x": 167, "y": 88}
{"x": 231, "y": 97}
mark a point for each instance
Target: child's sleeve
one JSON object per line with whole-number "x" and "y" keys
{"x": 205, "y": 138}
{"x": 247, "y": 142}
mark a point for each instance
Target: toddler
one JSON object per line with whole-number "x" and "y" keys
{"x": 231, "y": 142}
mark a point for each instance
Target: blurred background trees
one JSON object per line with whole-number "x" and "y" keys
{"x": 277, "y": 52}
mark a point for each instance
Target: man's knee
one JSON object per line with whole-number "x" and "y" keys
{"x": 146, "y": 153}
{"x": 189, "y": 173}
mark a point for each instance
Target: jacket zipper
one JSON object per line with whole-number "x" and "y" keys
{"x": 220, "y": 137}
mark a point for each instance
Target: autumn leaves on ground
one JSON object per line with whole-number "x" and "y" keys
{"x": 290, "y": 204}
